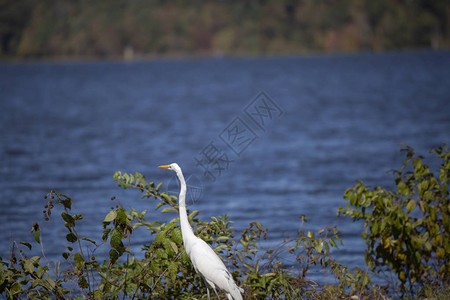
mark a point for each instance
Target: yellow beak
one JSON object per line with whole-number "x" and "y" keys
{"x": 164, "y": 167}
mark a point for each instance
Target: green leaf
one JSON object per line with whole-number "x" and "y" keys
{"x": 374, "y": 228}
{"x": 402, "y": 276}
{"x": 40, "y": 271}
{"x": 35, "y": 260}
{"x": 165, "y": 197}
{"x": 51, "y": 283}
{"x": 110, "y": 216}
{"x": 28, "y": 266}
{"x": 158, "y": 187}
{"x": 117, "y": 175}
{"x": 89, "y": 240}
{"x": 410, "y": 206}
{"x": 332, "y": 243}
{"x": 193, "y": 214}
{"x": 401, "y": 187}
{"x": 160, "y": 253}
{"x": 172, "y": 268}
{"x": 433, "y": 213}
{"x": 37, "y": 236}
{"x": 185, "y": 257}
{"x": 71, "y": 237}
{"x": 77, "y": 217}
{"x": 170, "y": 226}
{"x": 68, "y": 218}
{"x": 121, "y": 216}
{"x": 113, "y": 256}
{"x": 339, "y": 239}
{"x": 417, "y": 163}
{"x": 98, "y": 295}
{"x": 79, "y": 261}
{"x": 383, "y": 225}
{"x": 174, "y": 246}
{"x": 220, "y": 247}
{"x": 138, "y": 177}
{"x": 67, "y": 202}
{"x": 437, "y": 240}
{"x": 327, "y": 247}
{"x": 176, "y": 236}
{"x": 26, "y": 244}
{"x": 15, "y": 288}
{"x": 319, "y": 246}
{"x": 116, "y": 238}
{"x": 168, "y": 248}
{"x": 155, "y": 266}
{"x": 160, "y": 236}
{"x": 106, "y": 234}
{"x": 440, "y": 253}
{"x": 82, "y": 282}
{"x": 222, "y": 238}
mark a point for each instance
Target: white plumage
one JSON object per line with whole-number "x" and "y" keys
{"x": 205, "y": 260}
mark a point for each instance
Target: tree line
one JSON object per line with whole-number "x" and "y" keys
{"x": 110, "y": 28}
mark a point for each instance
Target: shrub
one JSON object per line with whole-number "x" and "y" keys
{"x": 407, "y": 230}
{"x": 166, "y": 271}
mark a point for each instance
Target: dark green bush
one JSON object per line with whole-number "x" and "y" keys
{"x": 407, "y": 230}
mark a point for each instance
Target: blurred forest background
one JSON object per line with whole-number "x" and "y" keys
{"x": 146, "y": 28}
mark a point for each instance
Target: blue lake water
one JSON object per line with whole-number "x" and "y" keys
{"x": 334, "y": 120}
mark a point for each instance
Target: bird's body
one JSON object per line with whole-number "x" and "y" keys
{"x": 205, "y": 260}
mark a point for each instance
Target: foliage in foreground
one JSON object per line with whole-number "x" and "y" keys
{"x": 166, "y": 270}
{"x": 407, "y": 230}
{"x": 398, "y": 225}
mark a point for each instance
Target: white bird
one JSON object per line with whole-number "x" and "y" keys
{"x": 205, "y": 260}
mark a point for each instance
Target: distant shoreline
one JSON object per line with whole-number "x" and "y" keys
{"x": 184, "y": 56}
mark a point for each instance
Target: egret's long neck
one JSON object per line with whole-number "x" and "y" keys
{"x": 186, "y": 229}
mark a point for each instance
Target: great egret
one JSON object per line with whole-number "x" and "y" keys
{"x": 205, "y": 260}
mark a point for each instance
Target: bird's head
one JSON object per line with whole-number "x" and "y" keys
{"x": 173, "y": 167}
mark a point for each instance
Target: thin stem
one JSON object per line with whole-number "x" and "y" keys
{"x": 84, "y": 258}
